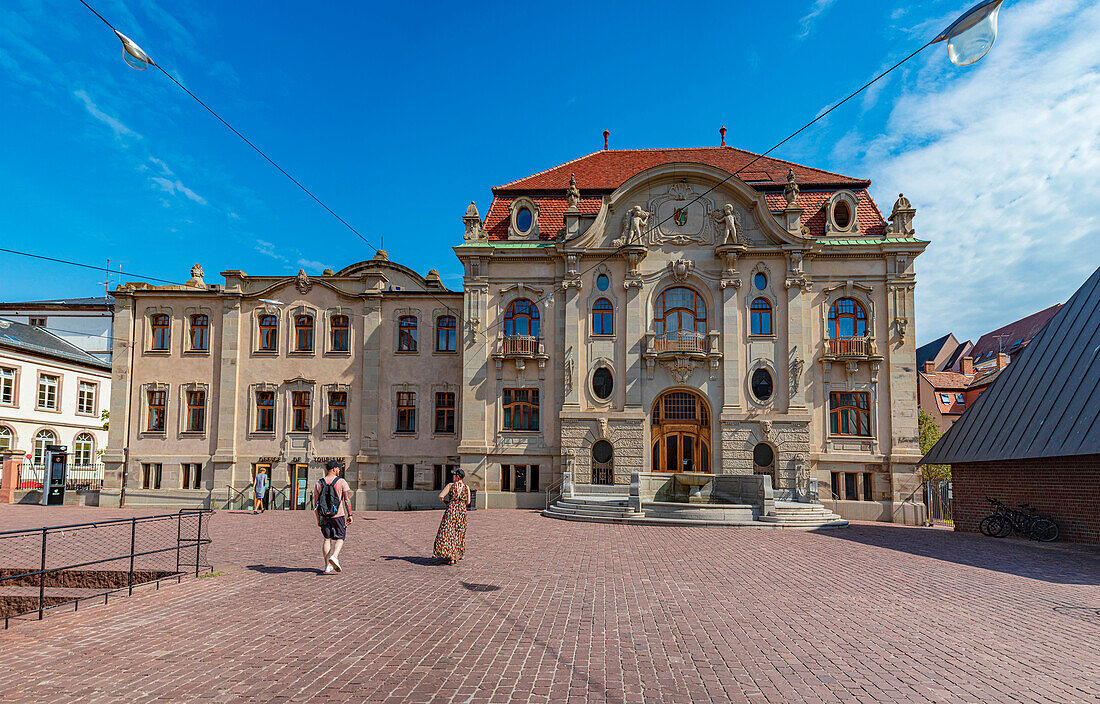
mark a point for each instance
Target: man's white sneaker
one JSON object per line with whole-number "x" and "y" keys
{"x": 328, "y": 569}
{"x": 335, "y": 563}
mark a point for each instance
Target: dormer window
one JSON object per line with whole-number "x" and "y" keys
{"x": 525, "y": 219}
{"x": 841, "y": 214}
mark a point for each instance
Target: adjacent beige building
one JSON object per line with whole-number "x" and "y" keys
{"x": 632, "y": 310}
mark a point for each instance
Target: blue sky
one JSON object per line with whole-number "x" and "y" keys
{"x": 398, "y": 114}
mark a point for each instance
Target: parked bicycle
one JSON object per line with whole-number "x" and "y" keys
{"x": 1025, "y": 520}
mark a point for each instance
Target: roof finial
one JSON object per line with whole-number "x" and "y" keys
{"x": 606, "y": 134}
{"x": 722, "y": 131}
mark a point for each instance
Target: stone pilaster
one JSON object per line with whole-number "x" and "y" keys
{"x": 225, "y": 453}
{"x": 636, "y": 324}
{"x": 798, "y": 356}
{"x": 366, "y": 482}
{"x": 116, "y": 454}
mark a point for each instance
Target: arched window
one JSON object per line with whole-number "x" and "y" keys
{"x": 200, "y": 332}
{"x": 446, "y": 334}
{"x": 303, "y": 333}
{"x": 603, "y": 317}
{"x": 159, "y": 324}
{"x": 339, "y": 330}
{"x": 679, "y": 310}
{"x": 269, "y": 333}
{"x": 83, "y": 450}
{"x": 847, "y": 319}
{"x": 760, "y": 317}
{"x": 41, "y": 439}
{"x": 521, "y": 317}
{"x": 406, "y": 334}
{"x": 7, "y": 438}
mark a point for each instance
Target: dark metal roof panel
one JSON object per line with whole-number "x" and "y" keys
{"x": 1046, "y": 402}
{"x": 30, "y": 338}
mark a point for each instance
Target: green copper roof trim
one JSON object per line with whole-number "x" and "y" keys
{"x": 887, "y": 240}
{"x": 502, "y": 244}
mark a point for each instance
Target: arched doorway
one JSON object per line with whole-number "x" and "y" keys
{"x": 680, "y": 433}
{"x": 763, "y": 460}
{"x": 602, "y": 463}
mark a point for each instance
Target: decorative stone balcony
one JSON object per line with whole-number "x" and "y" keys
{"x": 850, "y": 348}
{"x": 681, "y": 351}
{"x": 520, "y": 346}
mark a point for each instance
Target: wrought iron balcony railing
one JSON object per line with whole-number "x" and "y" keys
{"x": 850, "y": 347}
{"x": 681, "y": 341}
{"x": 520, "y": 345}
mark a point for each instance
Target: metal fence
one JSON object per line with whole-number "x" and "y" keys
{"x": 937, "y": 499}
{"x": 46, "y": 568}
{"x": 78, "y": 477}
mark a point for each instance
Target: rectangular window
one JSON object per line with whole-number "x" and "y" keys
{"x": 406, "y": 411}
{"x": 159, "y": 325}
{"x": 200, "y": 333}
{"x": 38, "y": 322}
{"x": 196, "y": 411}
{"x": 850, "y": 413}
{"x": 519, "y": 473}
{"x": 337, "y": 412}
{"x": 836, "y": 485}
{"x": 850, "y": 486}
{"x": 406, "y": 334}
{"x": 404, "y": 476}
{"x": 505, "y": 477}
{"x": 303, "y": 333}
{"x": 867, "y": 495}
{"x": 85, "y": 398}
{"x": 444, "y": 412}
{"x": 437, "y": 477}
{"x": 47, "y": 391}
{"x": 340, "y": 336}
{"x": 7, "y": 386}
{"x": 446, "y": 338}
{"x": 521, "y": 409}
{"x": 269, "y": 333}
{"x": 398, "y": 475}
{"x": 150, "y": 475}
{"x": 410, "y": 476}
{"x": 945, "y": 399}
{"x": 300, "y": 406}
{"x": 191, "y": 476}
{"x": 960, "y": 399}
{"x": 157, "y": 410}
{"x": 533, "y": 477}
{"x": 265, "y": 411}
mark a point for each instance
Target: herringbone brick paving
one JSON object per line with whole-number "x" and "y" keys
{"x": 552, "y": 611}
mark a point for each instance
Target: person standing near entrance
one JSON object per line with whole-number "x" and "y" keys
{"x": 259, "y": 488}
{"x": 450, "y": 541}
{"x": 331, "y": 496}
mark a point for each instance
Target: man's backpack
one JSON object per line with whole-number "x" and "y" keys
{"x": 328, "y": 503}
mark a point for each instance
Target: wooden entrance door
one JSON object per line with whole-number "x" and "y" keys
{"x": 680, "y": 433}
{"x": 299, "y": 487}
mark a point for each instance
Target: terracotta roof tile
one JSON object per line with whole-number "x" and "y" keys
{"x": 948, "y": 381}
{"x": 551, "y": 215}
{"x": 608, "y": 169}
{"x": 871, "y": 222}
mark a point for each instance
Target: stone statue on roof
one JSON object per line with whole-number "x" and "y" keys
{"x": 634, "y": 223}
{"x": 573, "y": 194}
{"x": 790, "y": 191}
{"x": 901, "y": 217}
{"x": 728, "y": 224}
{"x": 196, "y": 276}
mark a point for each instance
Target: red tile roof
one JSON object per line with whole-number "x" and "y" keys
{"x": 947, "y": 381}
{"x": 608, "y": 169}
{"x": 551, "y": 215}
{"x": 814, "y": 213}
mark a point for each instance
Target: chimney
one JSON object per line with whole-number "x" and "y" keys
{"x": 968, "y": 366}
{"x": 606, "y": 134}
{"x": 929, "y": 366}
{"x": 1002, "y": 360}
{"x": 722, "y": 131}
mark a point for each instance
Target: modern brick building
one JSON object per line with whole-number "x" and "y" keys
{"x": 698, "y": 309}
{"x": 1034, "y": 436}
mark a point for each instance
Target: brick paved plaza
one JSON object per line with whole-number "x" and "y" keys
{"x": 551, "y": 611}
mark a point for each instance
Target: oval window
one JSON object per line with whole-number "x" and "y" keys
{"x": 602, "y": 383}
{"x": 762, "y": 455}
{"x": 761, "y": 281}
{"x": 842, "y": 215}
{"x": 762, "y": 384}
{"x": 524, "y": 219}
{"x": 601, "y": 451}
{"x": 602, "y": 282}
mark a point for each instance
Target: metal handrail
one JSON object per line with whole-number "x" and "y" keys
{"x": 236, "y": 494}
{"x": 556, "y": 486}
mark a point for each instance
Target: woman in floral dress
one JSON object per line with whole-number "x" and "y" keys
{"x": 450, "y": 541}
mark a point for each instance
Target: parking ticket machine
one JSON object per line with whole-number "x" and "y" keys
{"x": 53, "y": 477}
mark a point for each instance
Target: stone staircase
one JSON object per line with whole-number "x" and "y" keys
{"x": 593, "y": 508}
{"x": 791, "y": 514}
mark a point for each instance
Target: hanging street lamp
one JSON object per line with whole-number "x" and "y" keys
{"x": 971, "y": 36}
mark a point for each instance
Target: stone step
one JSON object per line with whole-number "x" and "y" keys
{"x": 602, "y": 489}
{"x": 594, "y": 501}
{"x": 578, "y": 513}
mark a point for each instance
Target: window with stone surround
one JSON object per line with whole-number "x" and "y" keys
{"x": 521, "y": 317}
{"x": 7, "y": 386}
{"x": 160, "y": 325}
{"x": 406, "y": 411}
{"x": 41, "y": 439}
{"x": 850, "y": 413}
{"x": 265, "y": 411}
{"x": 337, "y": 411}
{"x": 191, "y": 475}
{"x": 48, "y": 385}
{"x": 196, "y": 411}
{"x": 200, "y": 332}
{"x": 407, "y": 334}
{"x": 603, "y": 317}
{"x": 303, "y": 333}
{"x": 150, "y": 475}
{"x": 404, "y": 476}
{"x": 86, "y": 398}
{"x": 519, "y": 478}
{"x": 340, "y": 333}
{"x": 444, "y": 412}
{"x": 446, "y": 338}
{"x": 760, "y": 317}
{"x": 83, "y": 450}
{"x": 158, "y": 410}
{"x": 521, "y": 409}
{"x": 300, "y": 409}
{"x": 847, "y": 319}
{"x": 7, "y": 437}
{"x": 269, "y": 333}
{"x": 679, "y": 310}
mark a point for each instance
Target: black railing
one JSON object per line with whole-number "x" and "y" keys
{"x": 126, "y": 552}
{"x": 937, "y": 499}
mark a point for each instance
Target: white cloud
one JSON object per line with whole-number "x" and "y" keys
{"x": 312, "y": 265}
{"x": 1001, "y": 162}
{"x": 176, "y": 187}
{"x": 268, "y": 249}
{"x": 808, "y": 21}
{"x": 116, "y": 126}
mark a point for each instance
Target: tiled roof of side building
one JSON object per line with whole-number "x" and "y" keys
{"x": 33, "y": 339}
{"x": 947, "y": 381}
{"x": 608, "y": 169}
{"x": 551, "y": 215}
{"x": 1004, "y": 338}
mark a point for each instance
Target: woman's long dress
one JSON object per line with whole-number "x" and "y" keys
{"x": 450, "y": 541}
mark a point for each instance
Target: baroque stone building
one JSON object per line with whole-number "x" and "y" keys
{"x": 699, "y": 310}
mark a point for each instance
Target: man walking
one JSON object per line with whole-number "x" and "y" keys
{"x": 331, "y": 496}
{"x": 259, "y": 488}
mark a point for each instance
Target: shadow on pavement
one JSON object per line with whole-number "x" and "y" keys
{"x": 273, "y": 569}
{"x": 1055, "y": 562}
{"x": 418, "y": 560}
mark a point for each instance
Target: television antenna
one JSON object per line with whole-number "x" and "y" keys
{"x": 107, "y": 281}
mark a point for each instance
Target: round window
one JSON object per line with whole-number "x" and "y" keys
{"x": 524, "y": 219}
{"x": 842, "y": 215}
{"x": 602, "y": 383}
{"x": 762, "y": 455}
{"x": 761, "y": 281}
{"x": 601, "y": 451}
{"x": 602, "y": 282}
{"x": 762, "y": 384}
